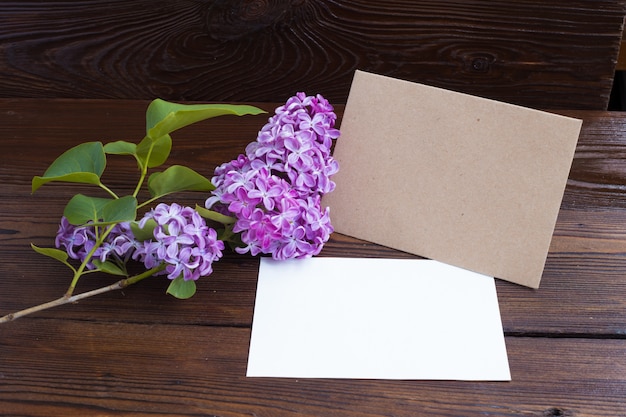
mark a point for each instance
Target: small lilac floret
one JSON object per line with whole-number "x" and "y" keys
{"x": 182, "y": 240}
{"x": 78, "y": 241}
{"x": 274, "y": 190}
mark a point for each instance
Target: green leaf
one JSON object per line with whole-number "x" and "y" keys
{"x": 215, "y": 216}
{"x": 120, "y": 147}
{"x": 145, "y": 233}
{"x": 109, "y": 267}
{"x": 163, "y": 117}
{"x": 57, "y": 254}
{"x": 81, "y": 209}
{"x": 79, "y": 177}
{"x": 177, "y": 178}
{"x": 161, "y": 148}
{"x": 83, "y": 164}
{"x": 182, "y": 289}
{"x": 123, "y": 209}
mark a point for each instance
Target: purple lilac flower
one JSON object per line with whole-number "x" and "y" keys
{"x": 274, "y": 190}
{"x": 182, "y": 240}
{"x": 119, "y": 244}
{"x": 78, "y": 241}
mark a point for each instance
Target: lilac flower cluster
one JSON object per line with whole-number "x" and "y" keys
{"x": 182, "y": 240}
{"x": 274, "y": 190}
{"x": 78, "y": 242}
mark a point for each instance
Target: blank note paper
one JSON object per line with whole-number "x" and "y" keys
{"x": 376, "y": 319}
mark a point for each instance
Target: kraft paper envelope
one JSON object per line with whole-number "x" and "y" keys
{"x": 460, "y": 179}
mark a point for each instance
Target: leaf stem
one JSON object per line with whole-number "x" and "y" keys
{"x": 144, "y": 172}
{"x": 108, "y": 190}
{"x": 145, "y": 203}
{"x": 80, "y": 271}
{"x": 66, "y": 299}
{"x": 144, "y": 169}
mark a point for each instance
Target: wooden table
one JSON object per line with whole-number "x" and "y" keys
{"x": 140, "y": 352}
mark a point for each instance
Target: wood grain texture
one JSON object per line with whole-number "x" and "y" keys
{"x": 621, "y": 58}
{"x": 77, "y": 368}
{"x": 557, "y": 54}
{"x": 139, "y": 352}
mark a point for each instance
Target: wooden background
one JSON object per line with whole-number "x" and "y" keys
{"x": 140, "y": 353}
{"x": 542, "y": 54}
{"x": 109, "y": 356}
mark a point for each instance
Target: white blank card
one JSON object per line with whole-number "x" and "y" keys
{"x": 376, "y": 319}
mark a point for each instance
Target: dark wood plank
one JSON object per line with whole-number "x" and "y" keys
{"x": 583, "y": 290}
{"x": 621, "y": 58}
{"x": 557, "y": 54}
{"x": 79, "y": 368}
